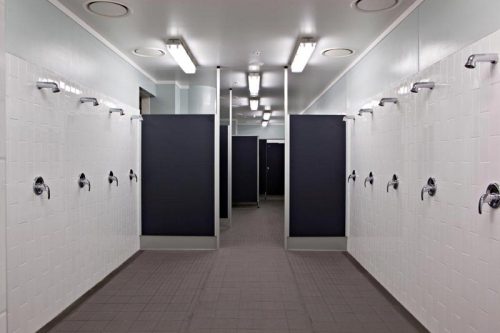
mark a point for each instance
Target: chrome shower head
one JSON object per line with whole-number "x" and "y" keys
{"x": 483, "y": 57}
{"x": 388, "y": 100}
{"x": 48, "y": 85}
{"x": 360, "y": 113}
{"x": 92, "y": 100}
{"x": 120, "y": 111}
{"x": 421, "y": 85}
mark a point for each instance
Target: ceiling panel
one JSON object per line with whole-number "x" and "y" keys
{"x": 235, "y": 34}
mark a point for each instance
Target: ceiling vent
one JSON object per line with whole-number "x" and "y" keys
{"x": 337, "y": 53}
{"x": 149, "y": 52}
{"x": 107, "y": 8}
{"x": 373, "y": 6}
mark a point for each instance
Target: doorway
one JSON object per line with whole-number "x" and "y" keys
{"x": 272, "y": 168}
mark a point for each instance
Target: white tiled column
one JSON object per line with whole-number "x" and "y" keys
{"x": 3, "y": 268}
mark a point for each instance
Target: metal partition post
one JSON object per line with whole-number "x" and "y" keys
{"x": 287, "y": 158}
{"x": 217, "y": 161}
{"x": 230, "y": 160}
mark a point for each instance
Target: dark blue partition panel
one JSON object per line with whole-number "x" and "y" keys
{"x": 178, "y": 175}
{"x": 275, "y": 169}
{"x": 245, "y": 169}
{"x": 224, "y": 209}
{"x": 317, "y": 176}
{"x": 262, "y": 166}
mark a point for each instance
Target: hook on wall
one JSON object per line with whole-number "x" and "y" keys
{"x": 83, "y": 181}
{"x": 39, "y": 187}
{"x": 92, "y": 100}
{"x": 48, "y": 85}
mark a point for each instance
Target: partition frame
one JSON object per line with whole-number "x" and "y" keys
{"x": 230, "y": 160}
{"x": 217, "y": 162}
{"x": 287, "y": 159}
{"x": 153, "y": 242}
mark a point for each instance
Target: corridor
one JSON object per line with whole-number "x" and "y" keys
{"x": 250, "y": 285}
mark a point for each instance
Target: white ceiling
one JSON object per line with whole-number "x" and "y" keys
{"x": 232, "y": 33}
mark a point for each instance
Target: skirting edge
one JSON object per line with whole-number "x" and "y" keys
{"x": 178, "y": 243}
{"x": 317, "y": 243}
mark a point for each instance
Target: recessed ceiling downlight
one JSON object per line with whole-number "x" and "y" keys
{"x": 107, "y": 8}
{"x": 337, "y": 53}
{"x": 149, "y": 52}
{"x": 372, "y": 6}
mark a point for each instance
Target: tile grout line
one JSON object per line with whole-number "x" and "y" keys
{"x": 301, "y": 296}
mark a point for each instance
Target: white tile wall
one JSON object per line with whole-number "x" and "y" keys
{"x": 3, "y": 270}
{"x": 438, "y": 257}
{"x": 58, "y": 249}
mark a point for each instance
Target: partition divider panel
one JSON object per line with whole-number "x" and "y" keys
{"x": 317, "y": 176}
{"x": 178, "y": 175}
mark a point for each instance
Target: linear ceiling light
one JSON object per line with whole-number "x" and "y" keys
{"x": 254, "y": 104}
{"x": 254, "y": 83}
{"x": 266, "y": 116}
{"x": 265, "y": 123}
{"x": 302, "y": 55}
{"x": 181, "y": 55}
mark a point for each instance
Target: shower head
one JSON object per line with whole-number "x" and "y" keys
{"x": 48, "y": 85}
{"x": 92, "y": 100}
{"x": 484, "y": 57}
{"x": 360, "y": 113}
{"x": 421, "y": 85}
{"x": 388, "y": 100}
{"x": 120, "y": 111}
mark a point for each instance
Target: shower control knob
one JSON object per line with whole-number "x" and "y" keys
{"x": 133, "y": 175}
{"x": 352, "y": 176}
{"x": 430, "y": 188}
{"x": 394, "y": 182}
{"x": 112, "y": 178}
{"x": 39, "y": 187}
{"x": 491, "y": 197}
{"x": 369, "y": 179}
{"x": 83, "y": 181}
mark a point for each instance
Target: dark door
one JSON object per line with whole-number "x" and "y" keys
{"x": 262, "y": 166}
{"x": 317, "y": 175}
{"x": 245, "y": 169}
{"x": 178, "y": 175}
{"x": 275, "y": 168}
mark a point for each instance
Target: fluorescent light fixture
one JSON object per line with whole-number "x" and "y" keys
{"x": 254, "y": 83}
{"x": 181, "y": 55}
{"x": 302, "y": 55}
{"x": 254, "y": 104}
{"x": 265, "y": 123}
{"x": 267, "y": 115}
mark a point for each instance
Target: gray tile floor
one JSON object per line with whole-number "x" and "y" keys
{"x": 250, "y": 285}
